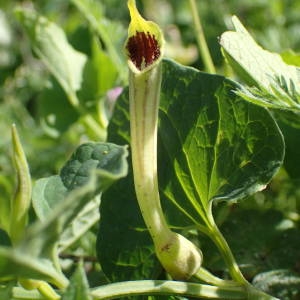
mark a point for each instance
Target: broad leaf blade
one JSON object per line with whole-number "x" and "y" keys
{"x": 213, "y": 145}
{"x": 92, "y": 168}
{"x": 49, "y": 193}
{"x": 124, "y": 246}
{"x": 220, "y": 146}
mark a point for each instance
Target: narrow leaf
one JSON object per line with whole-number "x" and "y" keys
{"x": 78, "y": 288}
{"x": 15, "y": 264}
{"x": 22, "y": 199}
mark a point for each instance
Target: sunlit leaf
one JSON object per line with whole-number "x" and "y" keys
{"x": 276, "y": 84}
{"x": 213, "y": 146}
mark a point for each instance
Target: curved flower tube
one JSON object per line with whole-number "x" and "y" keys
{"x": 144, "y": 49}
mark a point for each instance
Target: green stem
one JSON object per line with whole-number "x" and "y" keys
{"x": 233, "y": 268}
{"x": 203, "y": 48}
{"x": 219, "y": 240}
{"x": 205, "y": 276}
{"x": 47, "y": 291}
{"x": 167, "y": 288}
{"x": 44, "y": 289}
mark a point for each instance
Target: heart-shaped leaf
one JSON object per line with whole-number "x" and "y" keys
{"x": 213, "y": 146}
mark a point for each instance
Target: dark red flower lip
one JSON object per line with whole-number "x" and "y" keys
{"x": 143, "y": 49}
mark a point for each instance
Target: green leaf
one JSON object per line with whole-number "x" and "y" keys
{"x": 100, "y": 75}
{"x": 124, "y": 247}
{"x": 15, "y": 263}
{"x": 4, "y": 238}
{"x": 40, "y": 239}
{"x": 213, "y": 146}
{"x": 54, "y": 110}
{"x": 292, "y": 149}
{"x": 107, "y": 158}
{"x": 108, "y": 31}
{"x": 276, "y": 83}
{"x": 283, "y": 284}
{"x": 86, "y": 218}
{"x": 6, "y": 292}
{"x": 47, "y": 194}
{"x": 219, "y": 146}
{"x": 92, "y": 168}
{"x": 291, "y": 58}
{"x": 22, "y": 198}
{"x": 78, "y": 288}
{"x": 50, "y": 43}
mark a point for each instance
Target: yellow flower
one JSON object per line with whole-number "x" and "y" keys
{"x": 144, "y": 45}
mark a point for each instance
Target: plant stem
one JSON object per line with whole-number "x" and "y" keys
{"x": 161, "y": 287}
{"x": 219, "y": 240}
{"x": 209, "y": 278}
{"x": 43, "y": 292}
{"x": 203, "y": 48}
{"x": 47, "y": 291}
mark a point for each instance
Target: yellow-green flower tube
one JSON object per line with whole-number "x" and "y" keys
{"x": 144, "y": 49}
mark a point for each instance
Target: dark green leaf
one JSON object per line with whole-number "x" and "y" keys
{"x": 78, "y": 288}
{"x": 54, "y": 110}
{"x": 124, "y": 246}
{"x": 105, "y": 157}
{"x": 292, "y": 149}
{"x": 219, "y": 146}
{"x": 99, "y": 76}
{"x": 108, "y": 31}
{"x": 6, "y": 291}
{"x": 213, "y": 145}
{"x": 4, "y": 238}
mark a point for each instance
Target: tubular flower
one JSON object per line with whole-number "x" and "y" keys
{"x": 144, "y": 49}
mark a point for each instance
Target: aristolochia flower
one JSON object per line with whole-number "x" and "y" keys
{"x": 144, "y": 45}
{"x": 144, "y": 48}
